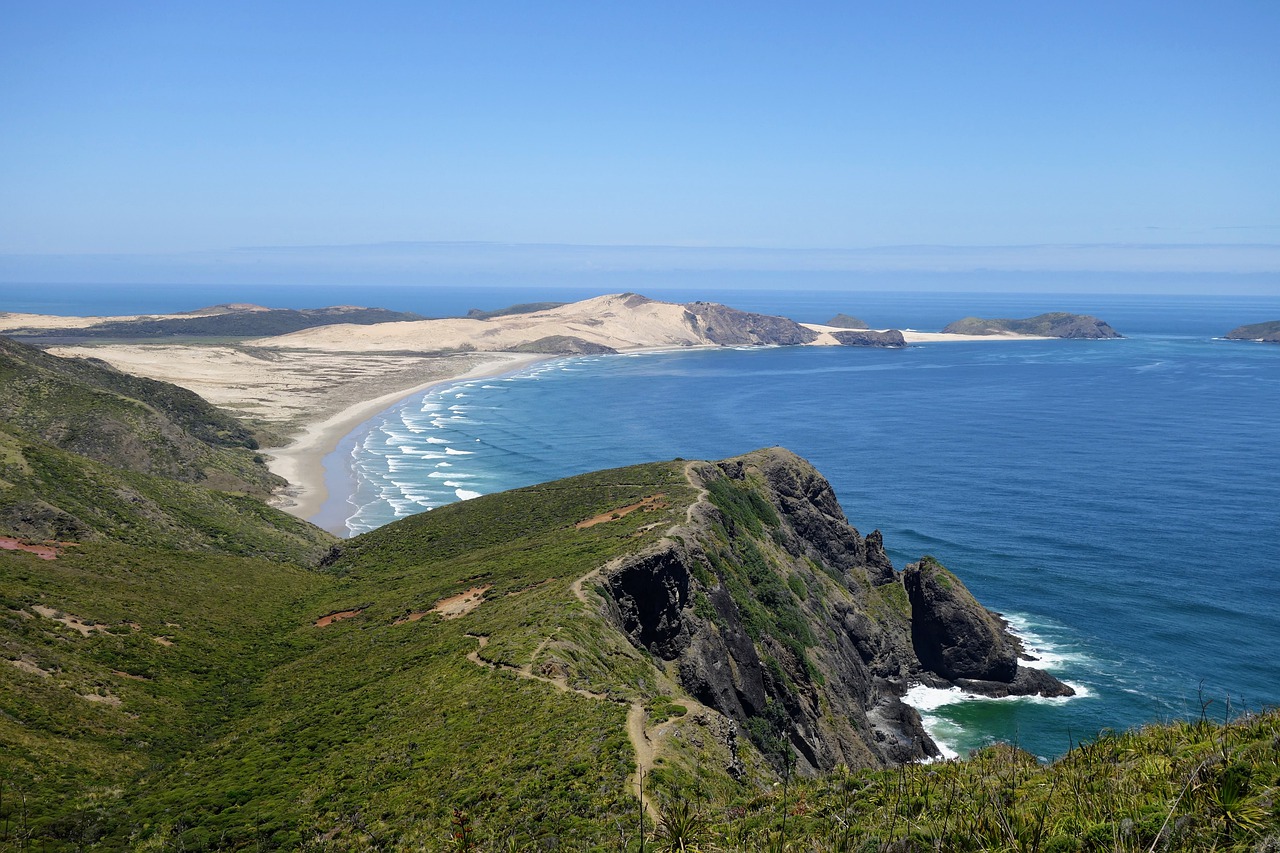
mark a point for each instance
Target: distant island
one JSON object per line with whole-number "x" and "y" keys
{"x": 1057, "y": 324}
{"x": 1268, "y": 332}
{"x": 844, "y": 321}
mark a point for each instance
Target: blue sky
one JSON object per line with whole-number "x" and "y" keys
{"x": 1114, "y": 135}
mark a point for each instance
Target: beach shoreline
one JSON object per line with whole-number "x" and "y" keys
{"x": 301, "y": 462}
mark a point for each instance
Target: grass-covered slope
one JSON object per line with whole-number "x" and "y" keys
{"x": 1175, "y": 786}
{"x": 115, "y": 663}
{"x": 51, "y": 494}
{"x": 89, "y": 408}
{"x": 366, "y": 732}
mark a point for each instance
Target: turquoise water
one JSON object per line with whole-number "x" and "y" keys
{"x": 1118, "y": 500}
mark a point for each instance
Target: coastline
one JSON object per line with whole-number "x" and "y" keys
{"x": 301, "y": 462}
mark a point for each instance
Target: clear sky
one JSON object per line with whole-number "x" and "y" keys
{"x": 161, "y": 129}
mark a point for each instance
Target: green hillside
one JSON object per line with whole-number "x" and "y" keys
{"x": 89, "y": 408}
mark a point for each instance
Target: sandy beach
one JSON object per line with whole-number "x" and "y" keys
{"x": 301, "y": 461}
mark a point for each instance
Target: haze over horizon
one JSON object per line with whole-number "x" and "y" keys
{"x": 418, "y": 143}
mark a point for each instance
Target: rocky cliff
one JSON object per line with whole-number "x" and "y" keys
{"x": 891, "y": 338}
{"x": 725, "y": 326}
{"x": 769, "y": 607}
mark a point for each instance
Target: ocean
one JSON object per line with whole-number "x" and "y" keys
{"x": 1115, "y": 500}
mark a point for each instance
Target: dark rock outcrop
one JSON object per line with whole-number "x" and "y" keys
{"x": 953, "y": 635}
{"x": 1268, "y": 332}
{"x": 1057, "y": 324}
{"x": 770, "y": 608}
{"x": 891, "y": 338}
{"x": 727, "y": 326}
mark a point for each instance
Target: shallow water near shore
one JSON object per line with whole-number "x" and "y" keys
{"x": 1114, "y": 499}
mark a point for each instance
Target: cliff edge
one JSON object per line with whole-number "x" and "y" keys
{"x": 770, "y": 608}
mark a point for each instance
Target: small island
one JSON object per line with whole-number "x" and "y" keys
{"x": 1268, "y": 333}
{"x": 845, "y": 321}
{"x": 1057, "y": 324}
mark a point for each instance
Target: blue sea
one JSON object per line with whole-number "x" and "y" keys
{"x": 1116, "y": 500}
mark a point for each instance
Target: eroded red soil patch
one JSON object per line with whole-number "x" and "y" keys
{"x": 411, "y": 617}
{"x": 44, "y": 552}
{"x": 462, "y": 603}
{"x": 338, "y": 617}
{"x": 650, "y": 503}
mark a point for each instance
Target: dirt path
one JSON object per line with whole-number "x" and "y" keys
{"x": 636, "y": 716}
{"x": 639, "y": 737}
{"x": 703, "y": 494}
{"x": 637, "y": 731}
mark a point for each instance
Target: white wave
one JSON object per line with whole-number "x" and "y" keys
{"x": 453, "y": 451}
{"x": 464, "y": 495}
{"x": 945, "y": 733}
{"x": 1048, "y": 655}
{"x": 444, "y": 464}
{"x": 431, "y": 439}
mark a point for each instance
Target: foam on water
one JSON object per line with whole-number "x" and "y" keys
{"x": 948, "y": 732}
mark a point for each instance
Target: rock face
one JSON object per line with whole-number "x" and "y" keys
{"x": 769, "y": 607}
{"x": 1266, "y": 332}
{"x": 727, "y": 326}
{"x": 891, "y": 338}
{"x": 1056, "y": 324}
{"x": 953, "y": 635}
